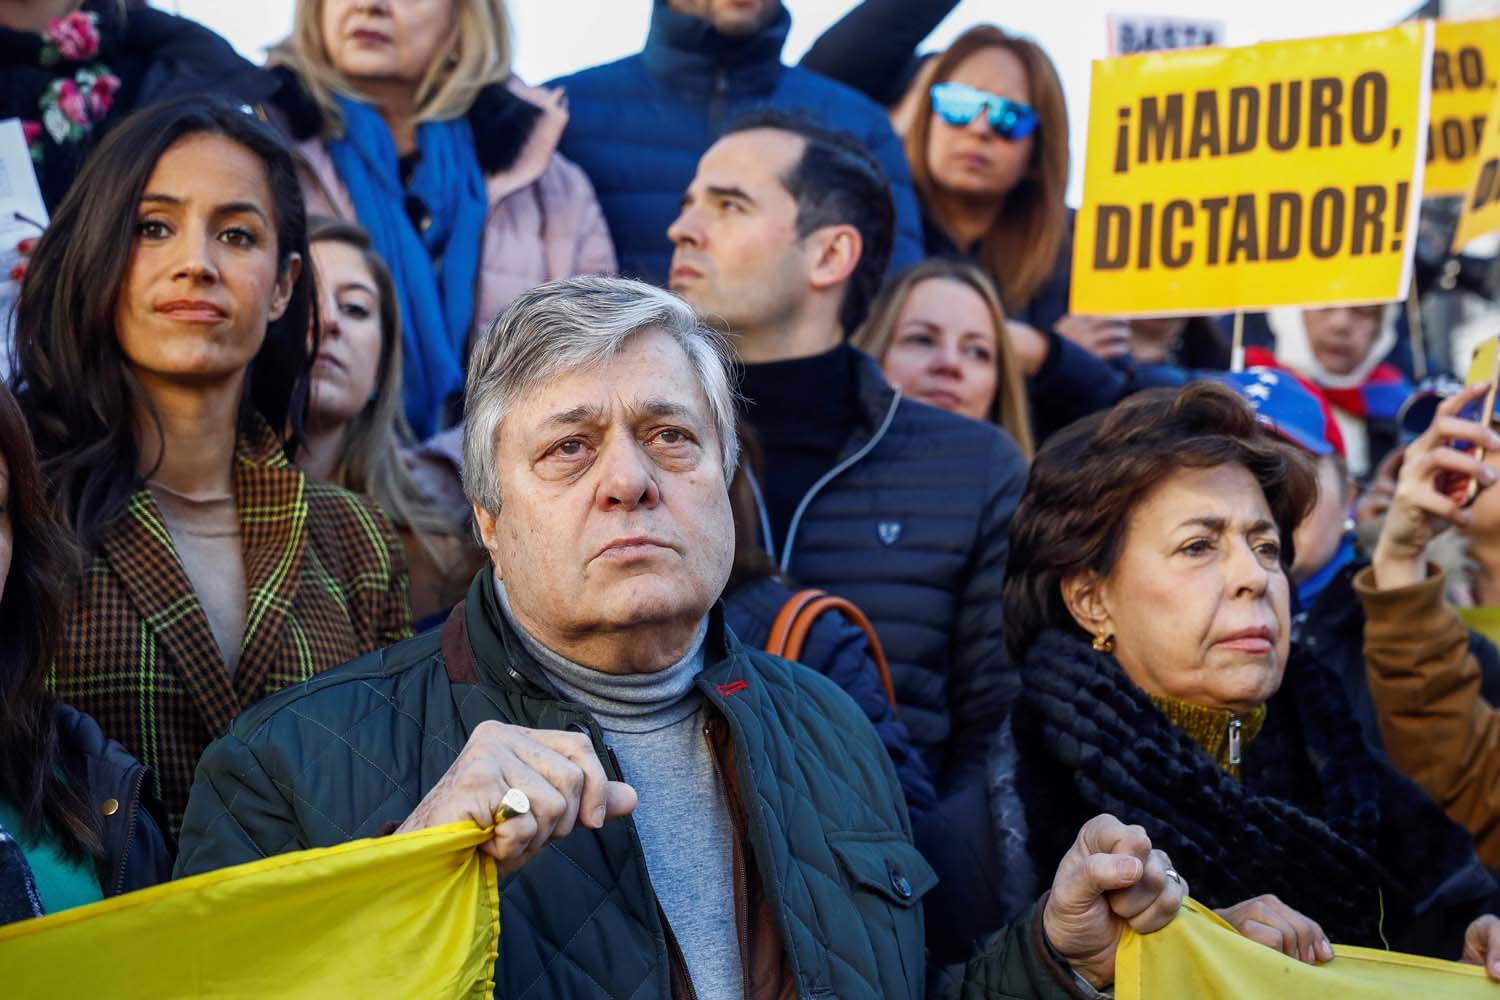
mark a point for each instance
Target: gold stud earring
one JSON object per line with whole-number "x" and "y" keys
{"x": 1104, "y": 642}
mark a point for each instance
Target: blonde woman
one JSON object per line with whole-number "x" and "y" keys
{"x": 355, "y": 427}
{"x": 412, "y": 124}
{"x": 939, "y": 333}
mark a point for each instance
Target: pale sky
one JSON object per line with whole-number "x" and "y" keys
{"x": 549, "y": 40}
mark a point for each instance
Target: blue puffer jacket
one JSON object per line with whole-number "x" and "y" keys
{"x": 913, "y": 525}
{"x": 638, "y": 127}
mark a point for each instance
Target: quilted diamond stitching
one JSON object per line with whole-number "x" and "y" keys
{"x": 559, "y": 949}
{"x": 399, "y": 710}
{"x": 292, "y": 710}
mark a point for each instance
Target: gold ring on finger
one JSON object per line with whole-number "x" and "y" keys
{"x": 512, "y": 804}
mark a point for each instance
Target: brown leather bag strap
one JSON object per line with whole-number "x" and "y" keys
{"x": 795, "y": 620}
{"x": 781, "y": 628}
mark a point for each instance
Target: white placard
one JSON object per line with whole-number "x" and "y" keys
{"x": 23, "y": 215}
{"x": 1132, "y": 33}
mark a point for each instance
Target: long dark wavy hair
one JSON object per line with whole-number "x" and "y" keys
{"x": 34, "y": 774}
{"x": 71, "y": 378}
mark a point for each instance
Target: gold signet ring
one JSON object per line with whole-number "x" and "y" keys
{"x": 514, "y": 803}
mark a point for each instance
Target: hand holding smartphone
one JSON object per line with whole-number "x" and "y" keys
{"x": 1484, "y": 369}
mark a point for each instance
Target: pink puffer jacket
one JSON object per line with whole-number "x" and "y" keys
{"x": 544, "y": 219}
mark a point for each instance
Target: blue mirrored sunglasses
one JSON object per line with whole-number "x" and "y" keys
{"x": 959, "y": 104}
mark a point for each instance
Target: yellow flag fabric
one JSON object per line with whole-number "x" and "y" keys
{"x": 414, "y": 915}
{"x": 1198, "y": 955}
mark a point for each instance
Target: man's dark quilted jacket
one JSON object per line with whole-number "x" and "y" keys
{"x": 913, "y": 525}
{"x": 353, "y": 750}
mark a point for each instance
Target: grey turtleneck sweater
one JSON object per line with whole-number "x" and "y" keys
{"x": 654, "y": 723}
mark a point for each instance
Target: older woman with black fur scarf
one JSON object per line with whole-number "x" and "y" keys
{"x": 1147, "y": 601}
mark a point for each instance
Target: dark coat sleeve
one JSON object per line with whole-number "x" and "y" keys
{"x": 981, "y": 681}
{"x": 873, "y": 47}
{"x": 1072, "y": 383}
{"x": 185, "y": 57}
{"x": 1012, "y": 964}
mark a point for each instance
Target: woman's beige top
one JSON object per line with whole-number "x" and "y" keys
{"x": 206, "y": 535}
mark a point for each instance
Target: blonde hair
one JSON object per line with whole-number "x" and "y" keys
{"x": 372, "y": 462}
{"x": 1020, "y": 250}
{"x": 480, "y": 56}
{"x": 1011, "y": 409}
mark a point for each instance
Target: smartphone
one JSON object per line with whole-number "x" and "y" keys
{"x": 1484, "y": 368}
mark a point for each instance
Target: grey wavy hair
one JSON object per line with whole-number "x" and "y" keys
{"x": 581, "y": 323}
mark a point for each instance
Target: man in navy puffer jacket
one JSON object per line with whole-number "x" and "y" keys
{"x": 901, "y": 507}
{"x": 638, "y": 126}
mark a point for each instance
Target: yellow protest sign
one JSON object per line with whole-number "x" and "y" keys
{"x": 1481, "y": 205}
{"x": 1281, "y": 174}
{"x": 1465, "y": 62}
{"x": 412, "y": 915}
{"x": 1200, "y": 956}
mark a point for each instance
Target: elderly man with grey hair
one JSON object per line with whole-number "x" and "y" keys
{"x": 682, "y": 816}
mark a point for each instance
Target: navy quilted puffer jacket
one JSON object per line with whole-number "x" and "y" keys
{"x": 638, "y": 126}
{"x": 827, "y": 843}
{"x": 913, "y": 525}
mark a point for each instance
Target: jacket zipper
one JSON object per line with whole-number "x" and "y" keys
{"x": 130, "y": 821}
{"x": 830, "y": 475}
{"x": 1235, "y": 725}
{"x": 741, "y": 881}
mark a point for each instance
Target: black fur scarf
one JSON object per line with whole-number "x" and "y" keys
{"x": 1318, "y": 820}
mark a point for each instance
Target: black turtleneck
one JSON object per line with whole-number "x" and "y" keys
{"x": 803, "y": 411}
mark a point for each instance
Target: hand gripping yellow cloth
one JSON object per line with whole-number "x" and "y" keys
{"x": 414, "y": 915}
{"x": 1200, "y": 956}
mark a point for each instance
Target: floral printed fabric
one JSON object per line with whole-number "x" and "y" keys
{"x": 71, "y": 106}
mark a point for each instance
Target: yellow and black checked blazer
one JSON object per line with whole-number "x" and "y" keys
{"x": 325, "y": 581}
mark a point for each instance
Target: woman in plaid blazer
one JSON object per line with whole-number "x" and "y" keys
{"x": 163, "y": 347}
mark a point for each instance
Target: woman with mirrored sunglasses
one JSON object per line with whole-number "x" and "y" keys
{"x": 959, "y": 104}
{"x": 989, "y": 155}
{"x": 991, "y": 162}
